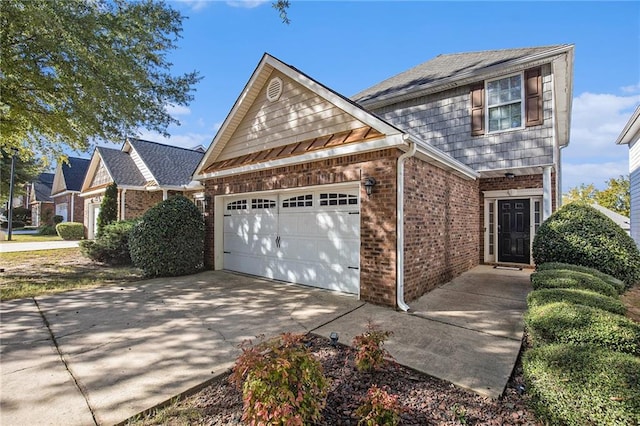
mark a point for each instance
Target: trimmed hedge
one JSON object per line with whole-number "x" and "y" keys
{"x": 70, "y": 230}
{"x": 47, "y": 230}
{"x": 169, "y": 240}
{"x": 563, "y": 278}
{"x": 581, "y": 235}
{"x": 613, "y": 281}
{"x": 563, "y": 322}
{"x": 573, "y": 385}
{"x": 112, "y": 245}
{"x": 546, "y": 296}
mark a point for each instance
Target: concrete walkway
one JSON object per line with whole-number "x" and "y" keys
{"x": 101, "y": 356}
{"x": 13, "y": 246}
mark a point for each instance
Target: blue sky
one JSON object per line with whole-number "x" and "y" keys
{"x": 349, "y": 46}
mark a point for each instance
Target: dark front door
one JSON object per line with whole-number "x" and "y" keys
{"x": 513, "y": 231}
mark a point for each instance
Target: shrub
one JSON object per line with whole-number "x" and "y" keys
{"x": 562, "y": 278}
{"x": 370, "y": 353}
{"x": 47, "y": 230}
{"x": 21, "y": 214}
{"x": 613, "y": 281}
{"x": 563, "y": 322}
{"x": 581, "y": 297}
{"x": 70, "y": 230}
{"x": 14, "y": 224}
{"x": 169, "y": 240}
{"x": 57, "y": 219}
{"x": 108, "y": 207}
{"x": 581, "y": 235}
{"x": 379, "y": 408}
{"x": 572, "y": 385}
{"x": 112, "y": 245}
{"x": 281, "y": 382}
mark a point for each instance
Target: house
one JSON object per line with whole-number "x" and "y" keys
{"x": 620, "y": 220}
{"x": 145, "y": 173}
{"x": 65, "y": 191}
{"x": 38, "y": 196}
{"x": 630, "y": 136}
{"x": 398, "y": 189}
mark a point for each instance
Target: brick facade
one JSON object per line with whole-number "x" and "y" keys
{"x": 78, "y": 206}
{"x": 441, "y": 220}
{"x": 137, "y": 202}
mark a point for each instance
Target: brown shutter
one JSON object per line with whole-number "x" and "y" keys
{"x": 533, "y": 97}
{"x": 477, "y": 109}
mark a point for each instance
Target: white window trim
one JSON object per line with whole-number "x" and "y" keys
{"x": 522, "y": 102}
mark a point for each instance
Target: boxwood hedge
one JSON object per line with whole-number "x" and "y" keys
{"x": 564, "y": 322}
{"x": 169, "y": 240}
{"x": 581, "y": 235}
{"x": 111, "y": 246}
{"x": 613, "y": 281}
{"x": 70, "y": 230}
{"x": 583, "y": 385}
{"x": 563, "y": 278}
{"x": 581, "y": 297}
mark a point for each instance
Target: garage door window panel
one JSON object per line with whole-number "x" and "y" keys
{"x": 338, "y": 199}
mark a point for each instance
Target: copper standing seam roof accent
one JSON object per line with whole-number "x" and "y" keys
{"x": 297, "y": 148}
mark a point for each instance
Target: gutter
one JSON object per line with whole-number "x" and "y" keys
{"x": 400, "y": 226}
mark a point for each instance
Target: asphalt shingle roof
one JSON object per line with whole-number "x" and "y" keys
{"x": 74, "y": 172}
{"x": 445, "y": 66}
{"x": 121, "y": 167}
{"x": 169, "y": 165}
{"x": 42, "y": 187}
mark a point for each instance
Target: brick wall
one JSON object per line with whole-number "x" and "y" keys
{"x": 78, "y": 206}
{"x": 377, "y": 214}
{"x": 441, "y": 222}
{"x": 138, "y": 202}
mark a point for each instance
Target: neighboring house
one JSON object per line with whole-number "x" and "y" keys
{"x": 620, "y": 220}
{"x": 630, "y": 136}
{"x": 65, "y": 192}
{"x": 38, "y": 194}
{"x": 398, "y": 189}
{"x": 145, "y": 172}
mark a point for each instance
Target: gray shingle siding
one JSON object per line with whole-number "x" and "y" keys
{"x": 443, "y": 120}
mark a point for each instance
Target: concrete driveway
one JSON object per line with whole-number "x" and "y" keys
{"x": 100, "y": 356}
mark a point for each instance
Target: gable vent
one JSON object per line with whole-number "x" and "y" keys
{"x": 274, "y": 89}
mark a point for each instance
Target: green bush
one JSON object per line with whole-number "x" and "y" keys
{"x": 169, "y": 240}
{"x": 57, "y": 219}
{"x": 379, "y": 408}
{"x": 14, "y": 224}
{"x": 562, "y": 278}
{"x": 563, "y": 322}
{"x": 571, "y": 295}
{"x": 572, "y": 385}
{"x": 281, "y": 382}
{"x": 47, "y": 230}
{"x": 613, "y": 281}
{"x": 22, "y": 214}
{"x": 112, "y": 245}
{"x": 70, "y": 230}
{"x": 108, "y": 207}
{"x": 580, "y": 235}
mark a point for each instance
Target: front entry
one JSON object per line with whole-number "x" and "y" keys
{"x": 514, "y": 218}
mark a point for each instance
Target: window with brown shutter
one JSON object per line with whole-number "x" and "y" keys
{"x": 477, "y": 109}
{"x": 533, "y": 94}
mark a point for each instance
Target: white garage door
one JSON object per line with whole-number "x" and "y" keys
{"x": 308, "y": 237}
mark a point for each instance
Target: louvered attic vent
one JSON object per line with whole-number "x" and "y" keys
{"x": 274, "y": 89}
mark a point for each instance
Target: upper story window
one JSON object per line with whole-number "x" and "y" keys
{"x": 504, "y": 103}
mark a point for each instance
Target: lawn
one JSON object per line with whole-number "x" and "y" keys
{"x": 35, "y": 273}
{"x": 30, "y": 238}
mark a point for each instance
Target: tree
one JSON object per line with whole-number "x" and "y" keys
{"x": 108, "y": 208}
{"x": 79, "y": 71}
{"x": 282, "y": 6}
{"x": 615, "y": 196}
{"x": 26, "y": 171}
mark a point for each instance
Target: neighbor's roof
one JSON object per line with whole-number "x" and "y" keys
{"x": 169, "y": 165}
{"x": 121, "y": 167}
{"x": 74, "y": 172}
{"x": 42, "y": 187}
{"x": 631, "y": 131}
{"x": 446, "y": 67}
{"x": 620, "y": 220}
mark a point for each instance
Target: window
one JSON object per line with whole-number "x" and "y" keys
{"x": 333, "y": 199}
{"x": 237, "y": 205}
{"x": 259, "y": 203}
{"x": 492, "y": 233}
{"x": 504, "y": 103}
{"x": 299, "y": 201}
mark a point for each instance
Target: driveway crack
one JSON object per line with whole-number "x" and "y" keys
{"x": 64, "y": 361}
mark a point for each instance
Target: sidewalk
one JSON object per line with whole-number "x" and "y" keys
{"x": 12, "y": 246}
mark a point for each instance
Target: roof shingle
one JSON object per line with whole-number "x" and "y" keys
{"x": 74, "y": 172}
{"x": 169, "y": 165}
{"x": 121, "y": 167}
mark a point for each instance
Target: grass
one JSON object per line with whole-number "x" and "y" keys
{"x": 36, "y": 273}
{"x": 31, "y": 238}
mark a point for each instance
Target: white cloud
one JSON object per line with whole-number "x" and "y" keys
{"x": 195, "y": 5}
{"x": 634, "y": 88}
{"x": 593, "y": 173}
{"x": 247, "y": 4}
{"x": 176, "y": 110}
{"x": 187, "y": 140}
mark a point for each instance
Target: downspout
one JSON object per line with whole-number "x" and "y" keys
{"x": 72, "y": 206}
{"x": 165, "y": 194}
{"x": 400, "y": 226}
{"x": 122, "y": 204}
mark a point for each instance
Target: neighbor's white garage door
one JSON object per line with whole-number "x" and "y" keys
{"x": 308, "y": 237}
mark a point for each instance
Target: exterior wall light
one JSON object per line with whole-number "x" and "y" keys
{"x": 369, "y": 183}
{"x": 509, "y": 175}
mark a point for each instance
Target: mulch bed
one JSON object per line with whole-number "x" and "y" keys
{"x": 427, "y": 400}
